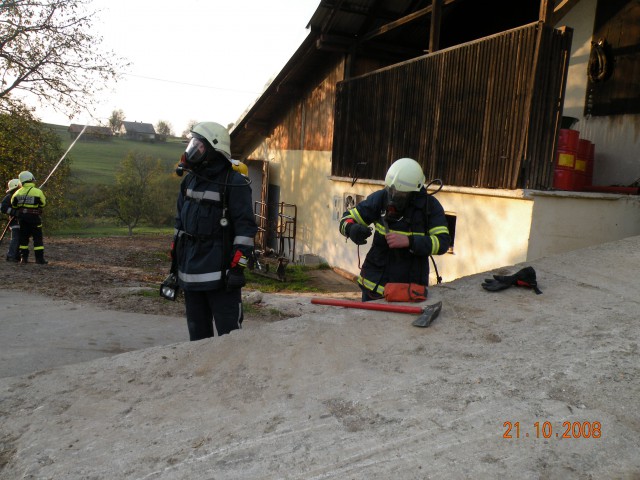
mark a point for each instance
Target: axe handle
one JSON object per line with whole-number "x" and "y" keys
{"x": 367, "y": 305}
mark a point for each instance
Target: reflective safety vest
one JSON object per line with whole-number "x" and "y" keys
{"x": 28, "y": 199}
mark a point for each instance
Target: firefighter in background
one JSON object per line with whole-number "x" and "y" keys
{"x": 13, "y": 255}
{"x": 28, "y": 202}
{"x": 214, "y": 233}
{"x": 410, "y": 225}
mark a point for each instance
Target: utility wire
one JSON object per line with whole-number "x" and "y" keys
{"x": 190, "y": 84}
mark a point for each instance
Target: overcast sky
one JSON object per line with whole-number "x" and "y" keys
{"x": 194, "y": 59}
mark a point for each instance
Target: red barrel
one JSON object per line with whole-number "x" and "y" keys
{"x": 582, "y": 161}
{"x": 565, "y": 161}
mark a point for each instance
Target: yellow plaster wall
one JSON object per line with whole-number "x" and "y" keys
{"x": 492, "y": 230}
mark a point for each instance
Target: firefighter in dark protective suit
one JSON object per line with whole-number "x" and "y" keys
{"x": 214, "y": 233}
{"x": 409, "y": 226}
{"x": 13, "y": 255}
{"x": 28, "y": 203}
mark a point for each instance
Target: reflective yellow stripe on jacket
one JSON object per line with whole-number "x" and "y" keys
{"x": 370, "y": 285}
{"x": 435, "y": 241}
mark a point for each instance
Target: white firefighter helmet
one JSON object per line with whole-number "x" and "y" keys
{"x": 13, "y": 184}
{"x": 216, "y": 135}
{"x": 25, "y": 177}
{"x": 405, "y": 175}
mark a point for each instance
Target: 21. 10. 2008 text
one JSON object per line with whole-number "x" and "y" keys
{"x": 546, "y": 430}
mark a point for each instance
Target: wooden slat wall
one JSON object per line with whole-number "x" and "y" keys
{"x": 484, "y": 114}
{"x": 308, "y": 124}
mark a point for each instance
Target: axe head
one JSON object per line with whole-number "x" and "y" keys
{"x": 428, "y": 315}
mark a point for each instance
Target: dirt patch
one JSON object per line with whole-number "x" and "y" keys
{"x": 117, "y": 273}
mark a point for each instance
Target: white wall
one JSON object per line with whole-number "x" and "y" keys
{"x": 616, "y": 138}
{"x": 565, "y": 221}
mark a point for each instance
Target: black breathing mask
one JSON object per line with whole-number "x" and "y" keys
{"x": 396, "y": 202}
{"x": 195, "y": 156}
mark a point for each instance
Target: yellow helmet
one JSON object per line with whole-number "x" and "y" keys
{"x": 13, "y": 184}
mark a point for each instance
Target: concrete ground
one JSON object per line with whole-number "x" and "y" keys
{"x": 503, "y": 385}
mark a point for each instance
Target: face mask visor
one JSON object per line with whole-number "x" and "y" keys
{"x": 196, "y": 151}
{"x": 398, "y": 200}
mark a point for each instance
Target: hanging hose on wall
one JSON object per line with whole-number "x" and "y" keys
{"x": 601, "y": 61}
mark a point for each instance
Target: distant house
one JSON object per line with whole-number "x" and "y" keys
{"x": 91, "y": 132}
{"x": 138, "y": 131}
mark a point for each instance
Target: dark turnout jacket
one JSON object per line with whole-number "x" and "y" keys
{"x": 8, "y": 209}
{"x": 425, "y": 224}
{"x": 204, "y": 248}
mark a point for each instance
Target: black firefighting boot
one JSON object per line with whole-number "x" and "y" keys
{"x": 24, "y": 256}
{"x": 40, "y": 257}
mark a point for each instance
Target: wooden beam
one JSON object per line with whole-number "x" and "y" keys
{"x": 563, "y": 7}
{"x": 401, "y": 21}
{"x": 546, "y": 11}
{"x": 262, "y": 128}
{"x": 436, "y": 20}
{"x": 334, "y": 43}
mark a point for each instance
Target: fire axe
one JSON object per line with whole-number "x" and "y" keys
{"x": 426, "y": 314}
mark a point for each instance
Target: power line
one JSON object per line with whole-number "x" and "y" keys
{"x": 190, "y": 84}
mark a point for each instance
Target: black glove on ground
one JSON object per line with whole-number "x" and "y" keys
{"x": 525, "y": 277}
{"x": 235, "y": 278}
{"x": 358, "y": 233}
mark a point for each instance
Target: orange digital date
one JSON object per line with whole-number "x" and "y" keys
{"x": 545, "y": 430}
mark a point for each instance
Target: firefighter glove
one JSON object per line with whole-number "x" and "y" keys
{"x": 525, "y": 277}
{"x": 494, "y": 285}
{"x": 359, "y": 233}
{"x": 235, "y": 278}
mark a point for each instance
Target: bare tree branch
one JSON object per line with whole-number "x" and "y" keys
{"x": 47, "y": 50}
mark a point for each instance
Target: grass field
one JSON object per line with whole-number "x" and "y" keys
{"x": 95, "y": 162}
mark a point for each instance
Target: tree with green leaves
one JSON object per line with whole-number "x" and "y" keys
{"x": 26, "y": 144}
{"x": 50, "y": 55}
{"x": 48, "y": 51}
{"x": 163, "y": 194}
{"x": 130, "y": 199}
{"x": 163, "y": 130}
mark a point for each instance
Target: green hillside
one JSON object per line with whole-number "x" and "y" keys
{"x": 95, "y": 162}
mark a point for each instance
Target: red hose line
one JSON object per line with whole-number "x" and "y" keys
{"x": 367, "y": 305}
